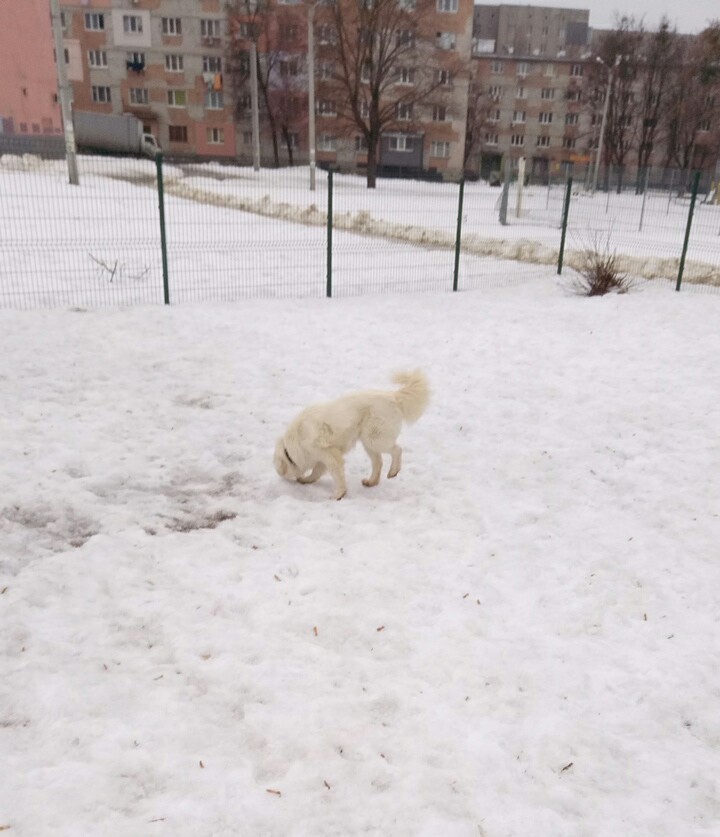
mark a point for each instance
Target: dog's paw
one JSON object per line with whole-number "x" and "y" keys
{"x": 339, "y": 496}
{"x": 393, "y": 474}
{"x": 370, "y": 483}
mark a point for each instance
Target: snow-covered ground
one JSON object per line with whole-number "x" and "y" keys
{"x": 234, "y": 233}
{"x": 518, "y": 636}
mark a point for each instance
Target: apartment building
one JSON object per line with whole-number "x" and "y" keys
{"x": 529, "y": 65}
{"x": 161, "y": 60}
{"x": 29, "y": 108}
{"x": 426, "y": 134}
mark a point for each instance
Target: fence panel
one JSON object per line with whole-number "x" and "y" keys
{"x": 234, "y": 233}
{"x": 93, "y": 245}
{"x": 399, "y": 236}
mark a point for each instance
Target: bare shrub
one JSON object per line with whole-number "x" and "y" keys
{"x": 598, "y": 270}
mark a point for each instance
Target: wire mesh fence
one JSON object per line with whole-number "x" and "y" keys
{"x": 233, "y": 233}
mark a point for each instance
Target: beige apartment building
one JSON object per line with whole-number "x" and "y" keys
{"x": 161, "y": 60}
{"x": 529, "y": 64}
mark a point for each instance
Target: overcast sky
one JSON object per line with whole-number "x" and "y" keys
{"x": 687, "y": 15}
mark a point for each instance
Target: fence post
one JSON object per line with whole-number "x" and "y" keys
{"x": 163, "y": 238}
{"x": 328, "y": 290}
{"x": 566, "y": 212}
{"x": 458, "y": 234}
{"x": 645, "y": 191}
{"x": 693, "y": 196}
{"x": 505, "y": 193}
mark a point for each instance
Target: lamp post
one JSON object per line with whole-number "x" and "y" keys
{"x": 608, "y": 90}
{"x": 64, "y": 94}
{"x": 311, "y": 93}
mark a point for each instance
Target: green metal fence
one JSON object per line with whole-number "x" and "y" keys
{"x": 153, "y": 232}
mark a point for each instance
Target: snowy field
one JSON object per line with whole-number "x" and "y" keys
{"x": 518, "y": 636}
{"x": 233, "y": 233}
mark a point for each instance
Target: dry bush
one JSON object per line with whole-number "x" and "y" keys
{"x": 598, "y": 271}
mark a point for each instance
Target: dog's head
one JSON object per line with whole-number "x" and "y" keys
{"x": 283, "y": 464}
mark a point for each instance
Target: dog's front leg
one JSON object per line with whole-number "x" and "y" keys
{"x": 314, "y": 475}
{"x": 334, "y": 462}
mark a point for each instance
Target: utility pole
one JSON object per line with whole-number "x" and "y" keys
{"x": 255, "y": 106}
{"x": 64, "y": 93}
{"x": 608, "y": 92}
{"x": 311, "y": 93}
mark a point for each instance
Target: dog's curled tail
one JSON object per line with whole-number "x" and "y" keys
{"x": 413, "y": 395}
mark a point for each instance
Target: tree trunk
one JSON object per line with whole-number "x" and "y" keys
{"x": 372, "y": 165}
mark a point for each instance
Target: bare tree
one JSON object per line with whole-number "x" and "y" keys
{"x": 281, "y": 46}
{"x": 380, "y": 66}
{"x": 693, "y": 115}
{"x": 480, "y": 106}
{"x": 620, "y": 50}
{"x": 660, "y": 59}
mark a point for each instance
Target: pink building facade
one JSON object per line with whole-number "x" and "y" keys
{"x": 28, "y": 91}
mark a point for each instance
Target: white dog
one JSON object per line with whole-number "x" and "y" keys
{"x": 318, "y": 438}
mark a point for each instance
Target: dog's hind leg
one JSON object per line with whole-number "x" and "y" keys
{"x": 314, "y": 475}
{"x": 396, "y": 453}
{"x": 376, "y": 461}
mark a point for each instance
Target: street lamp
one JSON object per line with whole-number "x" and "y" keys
{"x": 611, "y": 71}
{"x": 311, "y": 92}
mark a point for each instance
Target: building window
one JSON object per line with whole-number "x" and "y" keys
{"x": 289, "y": 67}
{"x": 172, "y": 26}
{"x": 440, "y": 113}
{"x": 546, "y": 118}
{"x": 247, "y": 137}
{"x": 522, "y": 68}
{"x": 547, "y": 93}
{"x": 132, "y": 24}
{"x": 366, "y": 72}
{"x": 327, "y": 142}
{"x": 210, "y": 28}
{"x": 405, "y": 38}
{"x": 404, "y": 112}
{"x": 360, "y": 144}
{"x": 215, "y": 136}
{"x": 569, "y": 142}
{"x": 327, "y": 70}
{"x": 574, "y": 95}
{"x": 495, "y": 92}
{"x": 247, "y": 30}
{"x": 445, "y": 40}
{"x": 447, "y": 6}
{"x": 364, "y": 110}
{"x": 96, "y": 58}
{"x": 491, "y": 139}
{"x": 439, "y": 148}
{"x": 212, "y": 64}
{"x": 549, "y": 70}
{"x": 497, "y": 68}
{"x": 406, "y": 75}
{"x": 494, "y": 115}
{"x": 288, "y": 32}
{"x": 94, "y": 21}
{"x": 326, "y": 107}
{"x": 178, "y": 133}
{"x": 292, "y": 140}
{"x": 326, "y": 33}
{"x": 443, "y": 77}
{"x": 174, "y": 63}
{"x": 65, "y": 18}
{"x": 571, "y": 118}
{"x": 101, "y": 94}
{"x": 176, "y": 98}
{"x": 520, "y": 93}
{"x": 576, "y": 70}
{"x": 214, "y": 100}
{"x": 705, "y": 125}
{"x": 138, "y": 96}
{"x": 517, "y": 139}
{"x": 518, "y": 117}
{"x": 399, "y": 142}
{"x": 543, "y": 142}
